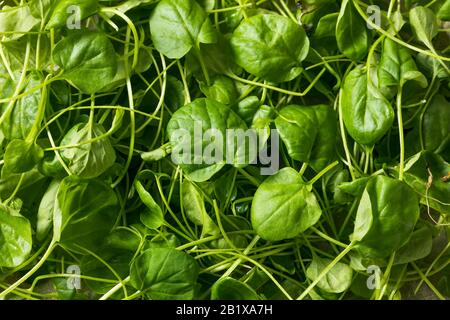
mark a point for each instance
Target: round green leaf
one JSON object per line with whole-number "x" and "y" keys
{"x": 178, "y": 25}
{"x": 271, "y": 47}
{"x": 386, "y": 216}
{"x": 284, "y": 206}
{"x": 88, "y": 60}
{"x": 165, "y": 274}
{"x": 15, "y": 238}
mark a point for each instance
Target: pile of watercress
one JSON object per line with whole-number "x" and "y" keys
{"x": 96, "y": 203}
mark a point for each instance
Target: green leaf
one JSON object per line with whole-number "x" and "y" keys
{"x": 111, "y": 259}
{"x": 352, "y": 34}
{"x": 231, "y": 289}
{"x": 337, "y": 280}
{"x": 366, "y": 112}
{"x": 16, "y": 21}
{"x": 326, "y": 28}
{"x": 87, "y": 153}
{"x": 283, "y": 206}
{"x": 165, "y": 274}
{"x": 444, "y": 11}
{"x": 435, "y": 126}
{"x": 178, "y": 25}
{"x": 15, "y": 238}
{"x": 271, "y": 47}
{"x": 386, "y": 216}
{"x": 88, "y": 211}
{"x": 47, "y": 209}
{"x": 247, "y": 108}
{"x": 186, "y": 130}
{"x": 417, "y": 176}
{"x": 431, "y": 66}
{"x": 88, "y": 60}
{"x": 194, "y": 207}
{"x": 19, "y": 121}
{"x": 309, "y": 133}
{"x": 21, "y": 156}
{"x": 418, "y": 247}
{"x": 221, "y": 89}
{"x": 424, "y": 24}
{"x": 65, "y": 10}
{"x": 396, "y": 68}
{"x": 152, "y": 218}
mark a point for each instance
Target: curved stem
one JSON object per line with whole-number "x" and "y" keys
{"x": 326, "y": 270}
{"x": 35, "y": 268}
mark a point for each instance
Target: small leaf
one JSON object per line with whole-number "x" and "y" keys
{"x": 352, "y": 34}
{"x": 165, "y": 274}
{"x": 283, "y": 207}
{"x": 424, "y": 24}
{"x": 88, "y": 60}
{"x": 15, "y": 238}
{"x": 178, "y": 25}
{"x": 153, "y": 218}
{"x": 337, "y": 280}
{"x": 195, "y": 210}
{"x": 231, "y": 289}
{"x": 271, "y": 47}
{"x": 367, "y": 114}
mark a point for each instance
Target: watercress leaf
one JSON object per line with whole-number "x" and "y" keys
{"x": 397, "y": 21}
{"x": 15, "y": 22}
{"x": 194, "y": 207}
{"x": 47, "y": 207}
{"x": 88, "y": 210}
{"x": 435, "y": 125}
{"x": 40, "y": 8}
{"x": 198, "y": 156}
{"x": 221, "y": 89}
{"x": 88, "y": 153}
{"x": 388, "y": 211}
{"x": 424, "y": 24}
{"x": 15, "y": 238}
{"x": 215, "y": 56}
{"x": 207, "y": 4}
{"x": 271, "y": 47}
{"x": 88, "y": 60}
{"x": 65, "y": 10}
{"x": 326, "y": 28}
{"x": 29, "y": 180}
{"x": 111, "y": 259}
{"x": 444, "y": 11}
{"x": 247, "y": 108}
{"x": 337, "y": 280}
{"x": 395, "y": 68}
{"x": 165, "y": 274}
{"x": 367, "y": 114}
{"x": 232, "y": 289}
{"x": 431, "y": 66}
{"x": 309, "y": 133}
{"x": 283, "y": 206}
{"x": 21, "y": 156}
{"x": 123, "y": 239}
{"x": 355, "y": 187}
{"x": 21, "y": 118}
{"x": 418, "y": 247}
{"x": 177, "y": 26}
{"x": 437, "y": 194}
{"x": 352, "y": 34}
{"x": 153, "y": 217}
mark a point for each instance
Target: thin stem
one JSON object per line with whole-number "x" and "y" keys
{"x": 326, "y": 270}
{"x": 35, "y": 268}
{"x": 401, "y": 134}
